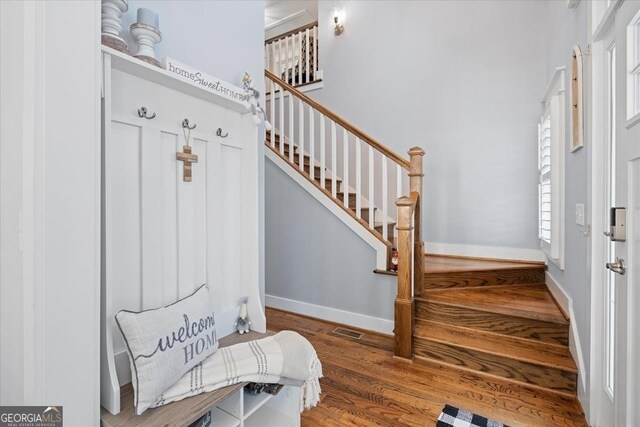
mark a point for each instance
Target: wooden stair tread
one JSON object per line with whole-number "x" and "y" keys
{"x": 535, "y": 352}
{"x": 489, "y": 321}
{"x": 527, "y": 301}
{"x": 561, "y": 392}
{"x": 449, "y": 264}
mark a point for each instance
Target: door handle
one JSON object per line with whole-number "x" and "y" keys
{"x": 617, "y": 267}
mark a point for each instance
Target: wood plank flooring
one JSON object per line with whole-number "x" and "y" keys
{"x": 365, "y": 386}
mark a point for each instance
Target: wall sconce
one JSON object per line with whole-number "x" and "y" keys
{"x": 337, "y": 20}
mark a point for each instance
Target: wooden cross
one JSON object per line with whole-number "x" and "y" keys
{"x": 188, "y": 159}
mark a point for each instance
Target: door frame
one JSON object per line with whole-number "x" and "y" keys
{"x": 600, "y": 42}
{"x": 598, "y": 34}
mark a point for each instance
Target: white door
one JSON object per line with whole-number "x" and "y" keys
{"x": 616, "y": 294}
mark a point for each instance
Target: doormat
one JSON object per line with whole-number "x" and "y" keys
{"x": 455, "y": 417}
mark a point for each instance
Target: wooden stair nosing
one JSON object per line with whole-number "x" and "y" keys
{"x": 422, "y": 359}
{"x": 492, "y": 303}
{"x": 535, "y": 352}
{"x": 481, "y": 278}
{"x": 549, "y": 332}
{"x": 512, "y": 369}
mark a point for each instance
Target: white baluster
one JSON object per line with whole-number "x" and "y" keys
{"x": 301, "y": 134}
{"x": 280, "y": 65}
{"x": 315, "y": 52}
{"x": 398, "y": 181}
{"x": 306, "y": 59}
{"x": 398, "y": 195}
{"x": 312, "y": 147}
{"x": 345, "y": 167}
{"x": 334, "y": 163}
{"x": 272, "y": 111}
{"x": 286, "y": 66}
{"x": 291, "y": 129}
{"x": 358, "y": 179}
{"x": 384, "y": 198}
{"x": 281, "y": 121}
{"x": 323, "y": 165}
{"x": 290, "y": 51}
{"x": 300, "y": 57}
{"x": 372, "y": 195}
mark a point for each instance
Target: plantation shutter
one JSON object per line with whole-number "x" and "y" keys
{"x": 544, "y": 183}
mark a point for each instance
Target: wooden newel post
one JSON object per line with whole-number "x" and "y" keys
{"x": 416, "y": 172}
{"x": 403, "y": 327}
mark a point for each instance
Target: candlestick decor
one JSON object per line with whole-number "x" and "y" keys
{"x": 146, "y": 34}
{"x": 112, "y": 11}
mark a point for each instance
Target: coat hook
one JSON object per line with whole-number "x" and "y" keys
{"x": 142, "y": 112}
{"x": 185, "y": 124}
{"x": 219, "y": 133}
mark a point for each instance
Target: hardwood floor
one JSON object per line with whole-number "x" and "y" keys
{"x": 364, "y": 385}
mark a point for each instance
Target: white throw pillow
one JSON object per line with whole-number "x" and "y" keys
{"x": 166, "y": 342}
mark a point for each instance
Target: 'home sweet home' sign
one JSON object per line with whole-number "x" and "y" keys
{"x": 205, "y": 81}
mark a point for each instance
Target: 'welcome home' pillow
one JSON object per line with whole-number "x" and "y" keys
{"x": 166, "y": 342}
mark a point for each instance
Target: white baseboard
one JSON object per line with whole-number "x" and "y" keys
{"x": 575, "y": 347}
{"x": 357, "y": 320}
{"x": 476, "y": 251}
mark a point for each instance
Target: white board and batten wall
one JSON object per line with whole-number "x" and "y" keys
{"x": 163, "y": 237}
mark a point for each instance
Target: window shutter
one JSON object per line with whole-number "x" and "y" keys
{"x": 544, "y": 184}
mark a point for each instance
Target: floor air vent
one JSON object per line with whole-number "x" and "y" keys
{"x": 348, "y": 333}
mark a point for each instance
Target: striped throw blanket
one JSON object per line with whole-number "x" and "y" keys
{"x": 284, "y": 358}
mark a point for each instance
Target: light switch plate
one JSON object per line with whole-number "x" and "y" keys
{"x": 580, "y": 214}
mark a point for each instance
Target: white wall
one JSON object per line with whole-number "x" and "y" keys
{"x": 49, "y": 299}
{"x": 221, "y": 38}
{"x": 568, "y": 27}
{"x": 49, "y": 339}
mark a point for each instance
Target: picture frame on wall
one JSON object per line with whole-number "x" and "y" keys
{"x": 577, "y": 137}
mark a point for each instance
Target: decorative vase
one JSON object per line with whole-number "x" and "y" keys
{"x": 112, "y": 11}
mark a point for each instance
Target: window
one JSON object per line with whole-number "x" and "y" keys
{"x": 551, "y": 145}
{"x": 633, "y": 59}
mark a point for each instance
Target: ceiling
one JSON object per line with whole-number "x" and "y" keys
{"x": 278, "y": 10}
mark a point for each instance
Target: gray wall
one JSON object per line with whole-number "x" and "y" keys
{"x": 568, "y": 28}
{"x": 221, "y": 38}
{"x": 461, "y": 79}
{"x": 313, "y": 257}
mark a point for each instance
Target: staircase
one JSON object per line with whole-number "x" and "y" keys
{"x": 496, "y": 319}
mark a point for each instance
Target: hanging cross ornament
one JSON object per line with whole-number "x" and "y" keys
{"x": 185, "y": 155}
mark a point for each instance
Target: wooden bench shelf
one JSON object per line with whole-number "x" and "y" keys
{"x": 184, "y": 412}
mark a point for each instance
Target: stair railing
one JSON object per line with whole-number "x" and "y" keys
{"x": 305, "y": 134}
{"x": 293, "y": 56}
{"x": 354, "y": 169}
{"x": 410, "y": 257}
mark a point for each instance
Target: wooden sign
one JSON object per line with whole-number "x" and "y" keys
{"x": 576, "y": 99}
{"x": 205, "y": 81}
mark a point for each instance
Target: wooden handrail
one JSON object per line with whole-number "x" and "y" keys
{"x": 404, "y": 163}
{"x": 294, "y": 31}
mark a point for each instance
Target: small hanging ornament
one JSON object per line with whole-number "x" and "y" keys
{"x": 252, "y": 96}
{"x": 394, "y": 259}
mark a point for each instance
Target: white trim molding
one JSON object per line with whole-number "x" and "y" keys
{"x": 566, "y": 303}
{"x": 478, "y": 251}
{"x": 362, "y": 321}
